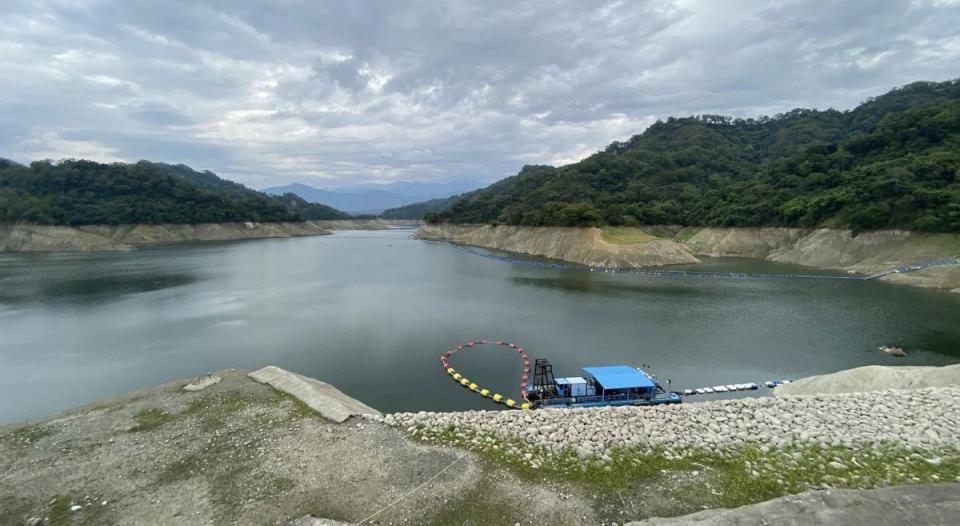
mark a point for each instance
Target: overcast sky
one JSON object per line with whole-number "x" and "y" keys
{"x": 352, "y": 92}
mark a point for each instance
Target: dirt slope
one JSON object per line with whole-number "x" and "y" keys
{"x": 865, "y": 253}
{"x": 874, "y": 378}
{"x": 89, "y": 238}
{"x": 578, "y": 245}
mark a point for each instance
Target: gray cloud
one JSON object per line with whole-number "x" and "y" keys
{"x": 345, "y": 93}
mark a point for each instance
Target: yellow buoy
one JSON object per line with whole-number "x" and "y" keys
{"x": 484, "y": 392}
{"x": 457, "y": 376}
{"x": 473, "y": 387}
{"x": 510, "y": 402}
{"x": 497, "y": 398}
{"x": 450, "y": 370}
{"x": 464, "y": 382}
{"x": 525, "y": 405}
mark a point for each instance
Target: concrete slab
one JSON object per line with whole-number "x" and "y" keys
{"x": 319, "y": 396}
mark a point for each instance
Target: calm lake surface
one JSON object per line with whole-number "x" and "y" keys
{"x": 371, "y": 312}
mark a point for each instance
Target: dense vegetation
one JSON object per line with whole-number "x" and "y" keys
{"x": 312, "y": 211}
{"x": 894, "y": 161}
{"x": 418, "y": 210}
{"x": 85, "y": 192}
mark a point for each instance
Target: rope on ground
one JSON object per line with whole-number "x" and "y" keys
{"x": 411, "y": 492}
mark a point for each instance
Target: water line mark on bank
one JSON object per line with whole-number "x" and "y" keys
{"x": 647, "y": 271}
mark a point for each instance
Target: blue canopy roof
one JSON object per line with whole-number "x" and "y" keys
{"x": 619, "y": 377}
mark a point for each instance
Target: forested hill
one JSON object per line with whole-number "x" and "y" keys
{"x": 417, "y": 210}
{"x": 76, "y": 192}
{"x": 894, "y": 161}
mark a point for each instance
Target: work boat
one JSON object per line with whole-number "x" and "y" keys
{"x": 611, "y": 385}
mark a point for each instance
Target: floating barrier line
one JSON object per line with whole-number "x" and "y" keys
{"x": 732, "y": 388}
{"x": 647, "y": 271}
{"x": 484, "y": 392}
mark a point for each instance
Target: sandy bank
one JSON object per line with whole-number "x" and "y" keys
{"x": 91, "y": 238}
{"x": 586, "y": 246}
{"x": 865, "y": 253}
{"x": 873, "y": 378}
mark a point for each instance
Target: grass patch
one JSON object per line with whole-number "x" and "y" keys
{"x": 625, "y": 235}
{"x": 686, "y": 234}
{"x": 298, "y": 409}
{"x": 213, "y": 410}
{"x": 150, "y": 419}
{"x": 480, "y": 506}
{"x": 946, "y": 242}
{"x": 60, "y": 511}
{"x": 183, "y": 469}
{"x": 91, "y": 512}
{"x": 729, "y": 478}
{"x": 659, "y": 231}
{"x": 26, "y": 436}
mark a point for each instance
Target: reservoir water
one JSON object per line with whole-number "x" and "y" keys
{"x": 371, "y": 312}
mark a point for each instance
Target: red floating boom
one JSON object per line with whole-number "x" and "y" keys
{"x": 444, "y": 361}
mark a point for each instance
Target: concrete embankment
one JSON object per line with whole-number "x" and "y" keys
{"x": 91, "y": 238}
{"x": 865, "y": 253}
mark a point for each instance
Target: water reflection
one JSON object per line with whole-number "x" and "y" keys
{"x": 611, "y": 287}
{"x": 372, "y": 312}
{"x": 82, "y": 290}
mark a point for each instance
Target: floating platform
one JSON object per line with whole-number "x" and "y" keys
{"x": 612, "y": 385}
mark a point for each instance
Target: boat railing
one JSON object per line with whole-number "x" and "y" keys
{"x": 662, "y": 396}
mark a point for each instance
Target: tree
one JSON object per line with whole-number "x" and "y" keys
{"x": 894, "y": 161}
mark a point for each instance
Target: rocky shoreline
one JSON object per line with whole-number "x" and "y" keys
{"x": 920, "y": 420}
{"x": 863, "y": 253}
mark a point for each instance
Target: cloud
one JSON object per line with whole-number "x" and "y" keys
{"x": 346, "y": 93}
{"x": 41, "y": 144}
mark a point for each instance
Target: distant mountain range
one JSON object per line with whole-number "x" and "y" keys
{"x": 374, "y": 200}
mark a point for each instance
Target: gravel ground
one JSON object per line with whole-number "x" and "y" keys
{"x": 921, "y": 419}
{"x": 929, "y": 505}
{"x": 240, "y": 452}
{"x": 873, "y": 378}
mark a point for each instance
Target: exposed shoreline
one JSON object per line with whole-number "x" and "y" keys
{"x": 98, "y": 238}
{"x": 232, "y": 449}
{"x": 865, "y": 253}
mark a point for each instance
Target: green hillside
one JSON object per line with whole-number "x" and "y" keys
{"x": 418, "y": 210}
{"x": 77, "y": 192}
{"x": 894, "y": 161}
